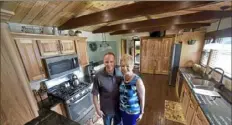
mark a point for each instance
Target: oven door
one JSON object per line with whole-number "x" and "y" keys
{"x": 78, "y": 109}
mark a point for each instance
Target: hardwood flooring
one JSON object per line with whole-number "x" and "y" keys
{"x": 157, "y": 91}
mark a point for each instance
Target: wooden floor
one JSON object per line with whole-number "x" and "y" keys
{"x": 157, "y": 91}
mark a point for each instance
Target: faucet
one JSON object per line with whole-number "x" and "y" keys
{"x": 220, "y": 85}
{"x": 214, "y": 69}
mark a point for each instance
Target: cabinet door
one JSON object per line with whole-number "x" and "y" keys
{"x": 67, "y": 46}
{"x": 49, "y": 47}
{"x": 185, "y": 102}
{"x": 177, "y": 85}
{"x": 31, "y": 59}
{"x": 196, "y": 120}
{"x": 202, "y": 117}
{"x": 190, "y": 112}
{"x": 81, "y": 48}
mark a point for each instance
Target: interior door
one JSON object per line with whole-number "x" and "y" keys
{"x": 148, "y": 61}
{"x": 165, "y": 51}
{"x": 67, "y": 46}
{"x": 31, "y": 58}
{"x": 49, "y": 47}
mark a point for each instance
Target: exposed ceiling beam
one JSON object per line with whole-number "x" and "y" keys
{"x": 130, "y": 11}
{"x": 200, "y": 16}
{"x": 161, "y": 28}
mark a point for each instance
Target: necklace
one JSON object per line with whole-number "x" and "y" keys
{"x": 131, "y": 77}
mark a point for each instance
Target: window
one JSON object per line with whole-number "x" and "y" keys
{"x": 217, "y": 53}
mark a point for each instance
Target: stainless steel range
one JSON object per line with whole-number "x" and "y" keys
{"x": 75, "y": 93}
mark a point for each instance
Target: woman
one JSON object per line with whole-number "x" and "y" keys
{"x": 132, "y": 93}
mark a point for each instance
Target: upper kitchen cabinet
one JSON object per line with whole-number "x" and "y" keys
{"x": 81, "y": 48}
{"x": 67, "y": 46}
{"x": 49, "y": 47}
{"x": 31, "y": 59}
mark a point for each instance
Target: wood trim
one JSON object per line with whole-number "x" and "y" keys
{"x": 131, "y": 10}
{"x": 6, "y": 15}
{"x": 220, "y": 33}
{"x": 42, "y": 36}
{"x": 181, "y": 19}
{"x": 19, "y": 83}
{"x": 162, "y": 28}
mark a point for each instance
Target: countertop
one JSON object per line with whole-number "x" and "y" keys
{"x": 218, "y": 111}
{"x": 49, "y": 117}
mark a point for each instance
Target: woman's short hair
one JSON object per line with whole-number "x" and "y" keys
{"x": 128, "y": 59}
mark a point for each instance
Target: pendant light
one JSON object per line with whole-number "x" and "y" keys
{"x": 223, "y": 8}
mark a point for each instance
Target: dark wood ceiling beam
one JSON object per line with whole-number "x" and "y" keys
{"x": 130, "y": 11}
{"x": 161, "y": 28}
{"x": 200, "y": 16}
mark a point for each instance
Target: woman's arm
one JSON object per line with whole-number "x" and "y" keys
{"x": 141, "y": 93}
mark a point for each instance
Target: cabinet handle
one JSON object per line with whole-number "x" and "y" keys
{"x": 191, "y": 106}
{"x": 41, "y": 69}
{"x": 58, "y": 46}
{"x": 62, "y": 47}
{"x": 199, "y": 117}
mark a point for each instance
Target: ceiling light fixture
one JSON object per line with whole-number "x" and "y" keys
{"x": 104, "y": 45}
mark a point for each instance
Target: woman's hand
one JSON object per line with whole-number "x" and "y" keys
{"x": 140, "y": 117}
{"x": 100, "y": 113}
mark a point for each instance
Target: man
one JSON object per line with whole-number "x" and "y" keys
{"x": 106, "y": 85}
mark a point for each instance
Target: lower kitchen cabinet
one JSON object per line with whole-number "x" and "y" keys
{"x": 185, "y": 102}
{"x": 199, "y": 118}
{"x": 31, "y": 59}
{"x": 190, "y": 112}
{"x": 59, "y": 108}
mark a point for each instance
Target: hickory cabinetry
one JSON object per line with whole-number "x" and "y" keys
{"x": 32, "y": 48}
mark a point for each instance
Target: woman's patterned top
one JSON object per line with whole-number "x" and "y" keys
{"x": 129, "y": 99}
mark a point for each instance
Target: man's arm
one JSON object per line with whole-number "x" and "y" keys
{"x": 95, "y": 93}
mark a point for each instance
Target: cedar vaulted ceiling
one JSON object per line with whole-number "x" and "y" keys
{"x": 59, "y": 13}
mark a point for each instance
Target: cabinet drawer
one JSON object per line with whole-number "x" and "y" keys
{"x": 202, "y": 117}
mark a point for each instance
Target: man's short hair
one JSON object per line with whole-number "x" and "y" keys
{"x": 109, "y": 53}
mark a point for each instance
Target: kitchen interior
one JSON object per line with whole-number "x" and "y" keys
{"x": 51, "y": 51}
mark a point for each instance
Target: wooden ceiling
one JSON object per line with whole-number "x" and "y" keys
{"x": 87, "y": 15}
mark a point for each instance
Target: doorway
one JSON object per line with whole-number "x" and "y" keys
{"x": 136, "y": 54}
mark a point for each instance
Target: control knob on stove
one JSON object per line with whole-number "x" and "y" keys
{"x": 71, "y": 100}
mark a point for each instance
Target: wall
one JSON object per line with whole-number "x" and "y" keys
{"x": 190, "y": 52}
{"x": 113, "y": 40}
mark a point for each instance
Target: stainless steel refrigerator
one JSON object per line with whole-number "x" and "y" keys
{"x": 174, "y": 63}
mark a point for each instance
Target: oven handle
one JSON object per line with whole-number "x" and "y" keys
{"x": 81, "y": 98}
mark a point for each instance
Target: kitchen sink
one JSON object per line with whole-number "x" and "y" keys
{"x": 202, "y": 84}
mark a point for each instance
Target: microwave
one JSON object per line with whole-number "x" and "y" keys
{"x": 60, "y": 65}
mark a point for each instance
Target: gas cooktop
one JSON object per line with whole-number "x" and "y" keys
{"x": 66, "y": 91}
